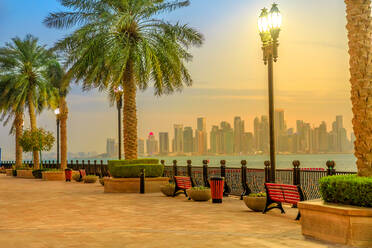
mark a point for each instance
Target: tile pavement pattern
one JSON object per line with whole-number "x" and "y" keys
{"x": 45, "y": 214}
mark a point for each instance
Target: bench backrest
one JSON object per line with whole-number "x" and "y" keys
{"x": 284, "y": 193}
{"x": 183, "y": 182}
{"x": 82, "y": 173}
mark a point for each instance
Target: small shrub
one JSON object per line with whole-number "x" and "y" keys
{"x": 76, "y": 177}
{"x": 125, "y": 170}
{"x": 349, "y": 190}
{"x": 260, "y": 194}
{"x": 168, "y": 189}
{"x": 134, "y": 161}
{"x": 90, "y": 179}
{"x": 200, "y": 188}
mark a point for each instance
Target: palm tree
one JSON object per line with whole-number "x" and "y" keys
{"x": 24, "y": 65}
{"x": 10, "y": 109}
{"x": 124, "y": 43}
{"x": 359, "y": 28}
{"x": 56, "y": 76}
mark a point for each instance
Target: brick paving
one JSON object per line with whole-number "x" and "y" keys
{"x": 45, "y": 214}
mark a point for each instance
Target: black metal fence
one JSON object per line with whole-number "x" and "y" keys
{"x": 91, "y": 167}
{"x": 238, "y": 179}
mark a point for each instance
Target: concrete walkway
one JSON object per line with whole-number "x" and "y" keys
{"x": 38, "y": 214}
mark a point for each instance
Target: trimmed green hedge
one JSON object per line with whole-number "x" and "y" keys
{"x": 349, "y": 190}
{"x": 135, "y": 161}
{"x": 123, "y": 169}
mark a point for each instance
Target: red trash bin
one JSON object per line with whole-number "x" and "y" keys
{"x": 217, "y": 185}
{"x": 68, "y": 175}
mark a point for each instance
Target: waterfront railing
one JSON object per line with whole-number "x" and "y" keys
{"x": 239, "y": 180}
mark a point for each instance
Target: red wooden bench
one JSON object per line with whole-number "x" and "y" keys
{"x": 182, "y": 183}
{"x": 282, "y": 193}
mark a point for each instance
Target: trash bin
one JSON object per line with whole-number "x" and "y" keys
{"x": 217, "y": 184}
{"x": 68, "y": 175}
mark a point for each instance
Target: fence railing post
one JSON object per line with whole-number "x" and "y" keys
{"x": 246, "y": 189}
{"x": 296, "y": 172}
{"x": 331, "y": 168}
{"x": 189, "y": 168}
{"x": 205, "y": 174}
{"x": 95, "y": 168}
{"x": 142, "y": 181}
{"x": 89, "y": 171}
{"x": 175, "y": 168}
{"x": 226, "y": 189}
{"x": 267, "y": 171}
{"x": 77, "y": 165}
{"x": 102, "y": 169}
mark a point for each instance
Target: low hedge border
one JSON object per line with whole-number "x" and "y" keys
{"x": 347, "y": 189}
{"x": 135, "y": 161}
{"x": 134, "y": 170}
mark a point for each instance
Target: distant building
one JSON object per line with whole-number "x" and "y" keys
{"x": 151, "y": 145}
{"x": 178, "y": 139}
{"x": 141, "y": 147}
{"x": 110, "y": 147}
{"x": 201, "y": 136}
{"x": 163, "y": 143}
{"x": 188, "y": 140}
{"x": 238, "y": 134}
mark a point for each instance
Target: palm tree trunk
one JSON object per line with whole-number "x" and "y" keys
{"x": 31, "y": 109}
{"x": 360, "y": 43}
{"x": 63, "y": 122}
{"x": 130, "y": 114}
{"x": 19, "y": 129}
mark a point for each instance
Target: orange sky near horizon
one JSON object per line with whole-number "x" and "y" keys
{"x": 230, "y": 79}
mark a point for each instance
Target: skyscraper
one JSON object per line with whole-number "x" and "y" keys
{"x": 238, "y": 134}
{"x": 152, "y": 145}
{"x": 201, "y": 136}
{"x": 188, "y": 140}
{"x": 141, "y": 147}
{"x": 178, "y": 139}
{"x": 163, "y": 143}
{"x": 110, "y": 147}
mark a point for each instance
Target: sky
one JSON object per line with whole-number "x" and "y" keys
{"x": 311, "y": 77}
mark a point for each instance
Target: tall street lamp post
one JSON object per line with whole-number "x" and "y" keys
{"x": 269, "y": 26}
{"x": 57, "y": 112}
{"x": 119, "y": 103}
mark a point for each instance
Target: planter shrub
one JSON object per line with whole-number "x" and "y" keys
{"x": 132, "y": 168}
{"x": 76, "y": 177}
{"x": 347, "y": 189}
{"x": 90, "y": 179}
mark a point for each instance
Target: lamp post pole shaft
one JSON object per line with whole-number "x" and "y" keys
{"x": 271, "y": 117}
{"x": 119, "y": 103}
{"x": 57, "y": 141}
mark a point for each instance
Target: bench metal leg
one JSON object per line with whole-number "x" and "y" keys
{"x": 298, "y": 216}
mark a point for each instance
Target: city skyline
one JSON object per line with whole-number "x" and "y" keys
{"x": 229, "y": 139}
{"x": 311, "y": 80}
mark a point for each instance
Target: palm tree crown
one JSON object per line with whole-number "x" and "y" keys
{"x": 24, "y": 81}
{"x": 126, "y": 43}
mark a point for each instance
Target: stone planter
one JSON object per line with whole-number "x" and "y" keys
{"x": 199, "y": 195}
{"x": 168, "y": 190}
{"x": 257, "y": 204}
{"x": 132, "y": 185}
{"x": 53, "y": 175}
{"x": 9, "y": 172}
{"x": 337, "y": 223}
{"x": 25, "y": 174}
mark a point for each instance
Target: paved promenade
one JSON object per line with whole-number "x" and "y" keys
{"x": 40, "y": 214}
